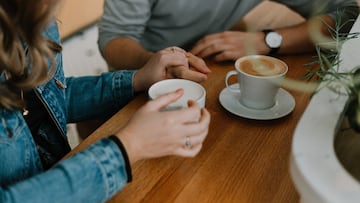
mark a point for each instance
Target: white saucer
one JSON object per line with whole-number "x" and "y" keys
{"x": 285, "y": 104}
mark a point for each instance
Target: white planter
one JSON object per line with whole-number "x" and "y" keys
{"x": 315, "y": 169}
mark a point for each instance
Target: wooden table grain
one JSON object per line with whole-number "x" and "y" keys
{"x": 242, "y": 160}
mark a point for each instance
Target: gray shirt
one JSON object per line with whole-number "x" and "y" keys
{"x": 157, "y": 24}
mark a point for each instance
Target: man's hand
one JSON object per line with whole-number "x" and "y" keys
{"x": 230, "y": 45}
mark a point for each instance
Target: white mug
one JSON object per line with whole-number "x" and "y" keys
{"x": 259, "y": 80}
{"x": 192, "y": 91}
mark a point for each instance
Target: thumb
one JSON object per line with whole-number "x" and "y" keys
{"x": 166, "y": 99}
{"x": 198, "y": 63}
{"x": 182, "y": 72}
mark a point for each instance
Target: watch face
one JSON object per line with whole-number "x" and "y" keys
{"x": 273, "y": 39}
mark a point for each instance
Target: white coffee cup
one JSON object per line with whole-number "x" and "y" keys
{"x": 259, "y": 80}
{"x": 192, "y": 91}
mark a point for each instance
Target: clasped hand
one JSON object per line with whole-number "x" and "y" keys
{"x": 172, "y": 62}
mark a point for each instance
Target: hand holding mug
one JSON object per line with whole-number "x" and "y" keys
{"x": 152, "y": 132}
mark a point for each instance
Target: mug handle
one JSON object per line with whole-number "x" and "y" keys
{"x": 228, "y": 75}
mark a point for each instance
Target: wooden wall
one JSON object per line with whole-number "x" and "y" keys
{"x": 77, "y": 14}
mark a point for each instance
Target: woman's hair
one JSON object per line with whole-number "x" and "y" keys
{"x": 22, "y": 23}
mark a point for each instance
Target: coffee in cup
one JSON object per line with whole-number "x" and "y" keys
{"x": 259, "y": 80}
{"x": 261, "y": 66}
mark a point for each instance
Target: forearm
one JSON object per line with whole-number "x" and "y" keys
{"x": 303, "y": 37}
{"x": 125, "y": 53}
{"x": 299, "y": 38}
{"x": 93, "y": 175}
{"x": 104, "y": 94}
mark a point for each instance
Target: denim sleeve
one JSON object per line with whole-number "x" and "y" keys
{"x": 98, "y": 97}
{"x": 93, "y": 175}
{"x": 123, "y": 18}
{"x": 343, "y": 9}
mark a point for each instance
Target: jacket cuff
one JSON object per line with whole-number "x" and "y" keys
{"x": 125, "y": 156}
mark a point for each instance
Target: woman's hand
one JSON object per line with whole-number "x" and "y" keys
{"x": 172, "y": 62}
{"x": 152, "y": 133}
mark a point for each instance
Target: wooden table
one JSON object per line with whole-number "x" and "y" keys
{"x": 242, "y": 160}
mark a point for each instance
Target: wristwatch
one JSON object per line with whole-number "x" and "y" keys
{"x": 273, "y": 40}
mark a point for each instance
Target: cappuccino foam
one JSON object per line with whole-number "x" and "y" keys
{"x": 261, "y": 66}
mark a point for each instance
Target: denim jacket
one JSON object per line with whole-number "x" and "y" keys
{"x": 94, "y": 174}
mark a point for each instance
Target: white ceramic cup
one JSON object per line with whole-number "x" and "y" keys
{"x": 192, "y": 91}
{"x": 259, "y": 80}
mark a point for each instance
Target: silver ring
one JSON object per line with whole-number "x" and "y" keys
{"x": 188, "y": 143}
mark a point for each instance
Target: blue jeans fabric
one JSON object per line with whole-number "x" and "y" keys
{"x": 93, "y": 175}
